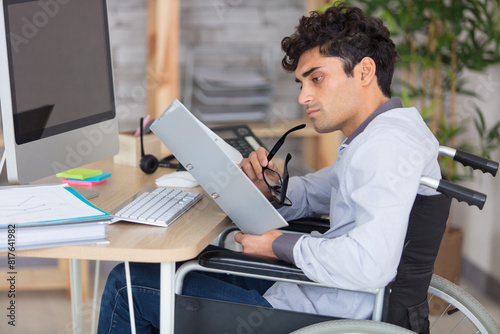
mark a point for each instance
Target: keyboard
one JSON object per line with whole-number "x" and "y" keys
{"x": 156, "y": 206}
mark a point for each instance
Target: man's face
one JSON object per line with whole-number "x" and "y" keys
{"x": 330, "y": 96}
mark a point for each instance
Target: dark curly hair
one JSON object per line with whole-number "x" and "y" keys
{"x": 344, "y": 32}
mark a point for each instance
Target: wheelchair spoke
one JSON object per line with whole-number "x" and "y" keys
{"x": 454, "y": 329}
{"x": 437, "y": 320}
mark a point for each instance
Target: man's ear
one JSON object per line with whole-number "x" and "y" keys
{"x": 367, "y": 70}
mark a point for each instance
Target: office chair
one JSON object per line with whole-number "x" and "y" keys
{"x": 403, "y": 302}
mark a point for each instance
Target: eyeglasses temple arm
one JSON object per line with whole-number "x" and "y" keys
{"x": 284, "y": 185}
{"x": 280, "y": 141}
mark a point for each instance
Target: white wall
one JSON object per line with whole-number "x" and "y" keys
{"x": 482, "y": 228}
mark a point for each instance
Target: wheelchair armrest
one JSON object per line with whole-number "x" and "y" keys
{"x": 308, "y": 224}
{"x": 229, "y": 262}
{"x": 262, "y": 266}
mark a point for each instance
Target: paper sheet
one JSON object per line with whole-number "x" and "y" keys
{"x": 37, "y": 204}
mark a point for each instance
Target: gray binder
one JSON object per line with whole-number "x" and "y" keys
{"x": 213, "y": 163}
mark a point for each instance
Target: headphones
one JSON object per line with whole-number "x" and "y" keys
{"x": 149, "y": 163}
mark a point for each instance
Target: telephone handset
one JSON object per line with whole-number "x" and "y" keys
{"x": 240, "y": 137}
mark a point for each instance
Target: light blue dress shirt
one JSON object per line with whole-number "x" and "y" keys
{"x": 368, "y": 194}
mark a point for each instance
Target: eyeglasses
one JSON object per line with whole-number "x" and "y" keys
{"x": 278, "y": 185}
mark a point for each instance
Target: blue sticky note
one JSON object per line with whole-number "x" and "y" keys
{"x": 97, "y": 178}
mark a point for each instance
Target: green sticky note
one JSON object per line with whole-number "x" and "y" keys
{"x": 79, "y": 173}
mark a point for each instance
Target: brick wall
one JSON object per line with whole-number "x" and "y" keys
{"x": 127, "y": 25}
{"x": 203, "y": 22}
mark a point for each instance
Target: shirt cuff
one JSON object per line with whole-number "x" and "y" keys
{"x": 283, "y": 246}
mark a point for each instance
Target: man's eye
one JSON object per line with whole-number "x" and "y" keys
{"x": 317, "y": 79}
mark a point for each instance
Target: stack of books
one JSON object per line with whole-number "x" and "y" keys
{"x": 48, "y": 216}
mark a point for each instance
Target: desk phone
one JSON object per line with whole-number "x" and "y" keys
{"x": 240, "y": 137}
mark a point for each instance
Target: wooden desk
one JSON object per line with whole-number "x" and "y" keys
{"x": 183, "y": 240}
{"x": 142, "y": 243}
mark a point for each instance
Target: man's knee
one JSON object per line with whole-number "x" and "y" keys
{"x": 141, "y": 274}
{"x": 116, "y": 277}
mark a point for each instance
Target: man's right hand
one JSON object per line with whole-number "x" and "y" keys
{"x": 252, "y": 167}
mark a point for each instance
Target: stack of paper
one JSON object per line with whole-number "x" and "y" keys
{"x": 238, "y": 95}
{"x": 48, "y": 216}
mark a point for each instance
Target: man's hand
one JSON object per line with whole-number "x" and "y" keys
{"x": 258, "y": 244}
{"x": 252, "y": 167}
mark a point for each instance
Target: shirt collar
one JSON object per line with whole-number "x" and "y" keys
{"x": 388, "y": 105}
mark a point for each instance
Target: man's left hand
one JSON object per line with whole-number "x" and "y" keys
{"x": 258, "y": 244}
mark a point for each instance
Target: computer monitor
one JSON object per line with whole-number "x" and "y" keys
{"x": 56, "y": 86}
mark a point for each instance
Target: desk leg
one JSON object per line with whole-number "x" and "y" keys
{"x": 130, "y": 298}
{"x": 95, "y": 307}
{"x": 75, "y": 272}
{"x": 167, "y": 298}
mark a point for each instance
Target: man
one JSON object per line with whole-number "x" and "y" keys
{"x": 344, "y": 63}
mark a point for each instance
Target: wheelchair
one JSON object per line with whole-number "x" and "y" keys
{"x": 400, "y": 307}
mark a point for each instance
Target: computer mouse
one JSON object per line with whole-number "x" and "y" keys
{"x": 177, "y": 179}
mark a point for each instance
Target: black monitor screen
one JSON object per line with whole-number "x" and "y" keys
{"x": 58, "y": 83}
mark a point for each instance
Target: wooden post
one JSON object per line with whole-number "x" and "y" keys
{"x": 311, "y": 5}
{"x": 163, "y": 58}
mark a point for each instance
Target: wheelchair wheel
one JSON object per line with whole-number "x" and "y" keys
{"x": 352, "y": 326}
{"x": 462, "y": 312}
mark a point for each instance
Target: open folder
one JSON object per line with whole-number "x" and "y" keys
{"x": 214, "y": 164}
{"x": 40, "y": 216}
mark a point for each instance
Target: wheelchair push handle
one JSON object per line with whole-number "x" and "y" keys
{"x": 462, "y": 194}
{"x": 468, "y": 159}
{"x": 469, "y": 196}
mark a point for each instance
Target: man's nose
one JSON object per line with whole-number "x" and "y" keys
{"x": 305, "y": 96}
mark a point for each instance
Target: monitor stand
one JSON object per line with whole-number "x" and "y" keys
{"x": 4, "y": 181}
{"x": 3, "y": 169}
